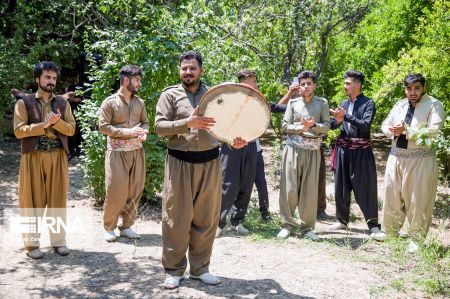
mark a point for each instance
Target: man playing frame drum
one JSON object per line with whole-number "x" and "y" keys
{"x": 192, "y": 177}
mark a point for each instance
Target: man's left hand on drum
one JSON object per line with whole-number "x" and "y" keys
{"x": 199, "y": 122}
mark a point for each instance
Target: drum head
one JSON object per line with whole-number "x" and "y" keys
{"x": 238, "y": 109}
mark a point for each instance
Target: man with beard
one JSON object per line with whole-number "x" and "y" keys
{"x": 306, "y": 121}
{"x": 192, "y": 177}
{"x": 353, "y": 160}
{"x": 123, "y": 117}
{"x": 411, "y": 175}
{"x": 43, "y": 122}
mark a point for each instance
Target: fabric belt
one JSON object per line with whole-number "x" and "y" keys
{"x": 48, "y": 145}
{"x": 412, "y": 153}
{"x": 348, "y": 143}
{"x": 195, "y": 157}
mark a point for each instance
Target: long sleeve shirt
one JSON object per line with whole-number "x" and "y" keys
{"x": 297, "y": 109}
{"x": 117, "y": 116}
{"x": 358, "y": 122}
{"x": 428, "y": 112}
{"x": 22, "y": 129}
{"x": 174, "y": 106}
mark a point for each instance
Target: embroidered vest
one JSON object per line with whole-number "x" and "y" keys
{"x": 29, "y": 144}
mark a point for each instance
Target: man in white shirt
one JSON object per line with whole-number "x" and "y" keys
{"x": 411, "y": 175}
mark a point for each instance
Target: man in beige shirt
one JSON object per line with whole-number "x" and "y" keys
{"x": 306, "y": 121}
{"x": 411, "y": 176}
{"x": 43, "y": 121}
{"x": 192, "y": 177}
{"x": 123, "y": 118}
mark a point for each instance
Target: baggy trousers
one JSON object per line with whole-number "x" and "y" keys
{"x": 190, "y": 214}
{"x": 410, "y": 186}
{"x": 43, "y": 182}
{"x": 124, "y": 181}
{"x": 238, "y": 173}
{"x": 298, "y": 187}
{"x": 322, "y": 195}
{"x": 261, "y": 184}
{"x": 355, "y": 170}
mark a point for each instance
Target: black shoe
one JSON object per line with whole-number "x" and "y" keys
{"x": 266, "y": 218}
{"x": 322, "y": 215}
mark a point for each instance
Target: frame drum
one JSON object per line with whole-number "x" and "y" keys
{"x": 238, "y": 109}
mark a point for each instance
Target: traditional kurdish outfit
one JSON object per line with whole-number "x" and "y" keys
{"x": 124, "y": 160}
{"x": 192, "y": 180}
{"x": 238, "y": 177}
{"x": 354, "y": 162}
{"x": 411, "y": 175}
{"x": 43, "y": 174}
{"x": 301, "y": 161}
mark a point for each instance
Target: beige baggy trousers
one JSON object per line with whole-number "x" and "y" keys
{"x": 410, "y": 186}
{"x": 43, "y": 182}
{"x": 190, "y": 214}
{"x": 299, "y": 187}
{"x": 124, "y": 181}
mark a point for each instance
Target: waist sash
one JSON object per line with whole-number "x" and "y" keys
{"x": 47, "y": 145}
{"x": 412, "y": 153}
{"x": 348, "y": 143}
{"x": 195, "y": 157}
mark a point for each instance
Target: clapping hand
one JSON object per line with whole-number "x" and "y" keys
{"x": 308, "y": 122}
{"x": 138, "y": 132}
{"x": 52, "y": 118}
{"x": 397, "y": 130}
{"x": 338, "y": 114}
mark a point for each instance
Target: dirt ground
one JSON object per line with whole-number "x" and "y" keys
{"x": 342, "y": 264}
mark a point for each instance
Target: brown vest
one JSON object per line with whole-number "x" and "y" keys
{"x": 29, "y": 144}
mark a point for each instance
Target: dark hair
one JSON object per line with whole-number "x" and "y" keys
{"x": 355, "y": 75}
{"x": 192, "y": 55}
{"x": 244, "y": 74}
{"x": 130, "y": 71}
{"x": 413, "y": 78}
{"x": 47, "y": 66}
{"x": 306, "y": 75}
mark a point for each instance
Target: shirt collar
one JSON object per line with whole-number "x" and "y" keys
{"x": 38, "y": 96}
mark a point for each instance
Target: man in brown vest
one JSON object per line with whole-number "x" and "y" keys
{"x": 42, "y": 121}
{"x": 123, "y": 117}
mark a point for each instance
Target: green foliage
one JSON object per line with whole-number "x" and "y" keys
{"x": 31, "y": 31}
{"x": 154, "y": 46}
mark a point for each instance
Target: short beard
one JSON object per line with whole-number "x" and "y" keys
{"x": 191, "y": 83}
{"x": 47, "y": 88}
{"x": 131, "y": 88}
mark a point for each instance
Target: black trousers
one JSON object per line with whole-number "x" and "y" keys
{"x": 261, "y": 184}
{"x": 355, "y": 171}
{"x": 238, "y": 177}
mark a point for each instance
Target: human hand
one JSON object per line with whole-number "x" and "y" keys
{"x": 338, "y": 113}
{"x": 52, "y": 118}
{"x": 397, "y": 130}
{"x": 142, "y": 137}
{"x": 137, "y": 131}
{"x": 308, "y": 122}
{"x": 238, "y": 142}
{"x": 199, "y": 122}
{"x": 294, "y": 89}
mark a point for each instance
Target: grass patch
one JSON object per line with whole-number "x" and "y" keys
{"x": 428, "y": 268}
{"x": 399, "y": 284}
{"x": 256, "y": 225}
